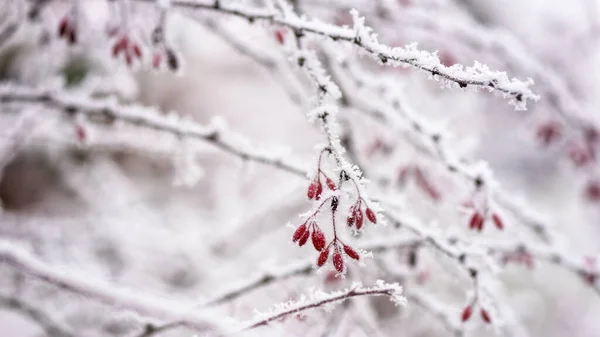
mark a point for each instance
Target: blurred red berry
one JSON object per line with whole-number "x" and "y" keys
{"x": 549, "y": 132}
{"x": 497, "y": 221}
{"x": 485, "y": 316}
{"x": 280, "y": 35}
{"x": 592, "y": 191}
{"x": 466, "y": 314}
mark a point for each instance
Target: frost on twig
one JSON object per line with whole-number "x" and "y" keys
{"x": 319, "y": 299}
{"x": 157, "y": 308}
{"x": 50, "y": 325}
{"x": 361, "y": 36}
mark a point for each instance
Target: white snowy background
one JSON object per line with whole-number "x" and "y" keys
{"x": 125, "y": 207}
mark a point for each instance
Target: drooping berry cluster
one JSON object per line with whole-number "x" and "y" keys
{"x": 355, "y": 217}
{"x": 67, "y": 29}
{"x": 302, "y": 234}
{"x": 478, "y": 219}
{"x": 129, "y": 48}
{"x": 468, "y": 312}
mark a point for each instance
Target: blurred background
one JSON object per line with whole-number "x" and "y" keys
{"x": 174, "y": 217}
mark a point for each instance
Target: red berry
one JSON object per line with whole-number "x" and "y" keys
{"x": 359, "y": 218}
{"x": 312, "y": 191}
{"x": 137, "y": 51}
{"x": 81, "y": 133}
{"x": 72, "y": 37}
{"x": 280, "y": 35}
{"x": 497, "y": 221}
{"x": 549, "y": 132}
{"x": 485, "y": 316}
{"x": 338, "y": 261}
{"x": 330, "y": 184}
{"x": 304, "y": 238}
{"x": 115, "y": 50}
{"x": 466, "y": 314}
{"x": 63, "y": 26}
{"x": 323, "y": 258}
{"x": 475, "y": 221}
{"x": 319, "y": 190}
{"x": 351, "y": 252}
{"x": 318, "y": 239}
{"x": 580, "y": 155}
{"x": 371, "y": 215}
{"x": 299, "y": 232}
{"x": 592, "y": 191}
{"x": 589, "y": 278}
{"x": 351, "y": 218}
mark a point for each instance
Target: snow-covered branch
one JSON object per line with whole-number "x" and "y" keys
{"x": 110, "y": 294}
{"x": 109, "y": 110}
{"x": 50, "y": 325}
{"x": 361, "y": 36}
{"x": 319, "y": 299}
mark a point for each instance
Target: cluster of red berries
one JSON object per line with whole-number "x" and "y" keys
{"x": 468, "y": 312}
{"x": 315, "y": 189}
{"x": 127, "y": 47}
{"x": 67, "y": 30}
{"x": 303, "y": 232}
{"x": 478, "y": 219}
{"x": 549, "y": 132}
{"x": 356, "y": 215}
{"x": 310, "y": 229}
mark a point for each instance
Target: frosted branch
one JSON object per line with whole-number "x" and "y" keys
{"x": 47, "y": 323}
{"x": 361, "y": 36}
{"x": 318, "y": 299}
{"x": 158, "y": 308}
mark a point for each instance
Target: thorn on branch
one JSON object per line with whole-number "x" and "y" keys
{"x": 383, "y": 58}
{"x": 301, "y": 61}
{"x": 462, "y": 84}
